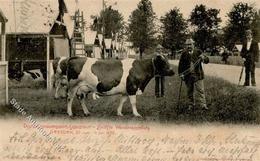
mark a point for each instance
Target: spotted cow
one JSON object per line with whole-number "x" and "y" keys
{"x": 110, "y": 77}
{"x": 59, "y": 77}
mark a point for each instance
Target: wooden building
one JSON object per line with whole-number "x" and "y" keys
{"x": 3, "y": 63}
{"x": 37, "y": 33}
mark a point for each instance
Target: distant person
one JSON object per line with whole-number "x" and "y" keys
{"x": 225, "y": 56}
{"x": 159, "y": 80}
{"x": 191, "y": 72}
{"x": 250, "y": 54}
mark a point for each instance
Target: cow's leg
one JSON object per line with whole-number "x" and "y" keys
{"x": 122, "y": 101}
{"x": 84, "y": 107}
{"x": 133, "y": 103}
{"x": 71, "y": 95}
{"x": 81, "y": 93}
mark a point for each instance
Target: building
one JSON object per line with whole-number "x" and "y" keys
{"x": 38, "y": 31}
{"x": 237, "y": 49}
{"x": 108, "y": 48}
{"x": 93, "y": 44}
{"x": 3, "y": 63}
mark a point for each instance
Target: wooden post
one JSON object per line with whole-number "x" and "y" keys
{"x": 3, "y": 59}
{"x": 3, "y": 41}
{"x": 48, "y": 79}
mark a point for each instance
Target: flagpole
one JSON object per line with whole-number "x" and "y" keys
{"x": 103, "y": 27}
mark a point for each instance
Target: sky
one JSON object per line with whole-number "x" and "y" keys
{"x": 93, "y": 7}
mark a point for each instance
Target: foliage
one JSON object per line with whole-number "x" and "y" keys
{"x": 206, "y": 22}
{"x": 112, "y": 20}
{"x": 256, "y": 26}
{"x": 141, "y": 28}
{"x": 240, "y": 20}
{"x": 174, "y": 30}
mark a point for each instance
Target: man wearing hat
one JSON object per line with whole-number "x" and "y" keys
{"x": 159, "y": 80}
{"x": 191, "y": 72}
{"x": 250, "y": 54}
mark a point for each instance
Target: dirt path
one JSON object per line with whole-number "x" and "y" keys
{"x": 230, "y": 73}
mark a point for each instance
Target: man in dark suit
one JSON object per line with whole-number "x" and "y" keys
{"x": 191, "y": 72}
{"x": 250, "y": 54}
{"x": 159, "y": 80}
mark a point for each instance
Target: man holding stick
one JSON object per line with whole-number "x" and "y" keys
{"x": 191, "y": 72}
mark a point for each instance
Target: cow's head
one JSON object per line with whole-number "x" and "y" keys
{"x": 61, "y": 85}
{"x": 162, "y": 66}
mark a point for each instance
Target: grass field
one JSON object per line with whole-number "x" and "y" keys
{"x": 227, "y": 103}
{"x": 232, "y": 60}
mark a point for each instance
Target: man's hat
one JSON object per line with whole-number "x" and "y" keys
{"x": 189, "y": 41}
{"x": 248, "y": 31}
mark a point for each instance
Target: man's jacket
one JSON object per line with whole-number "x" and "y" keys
{"x": 251, "y": 55}
{"x": 186, "y": 60}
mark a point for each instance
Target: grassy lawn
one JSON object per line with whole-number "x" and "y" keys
{"x": 227, "y": 103}
{"x": 232, "y": 60}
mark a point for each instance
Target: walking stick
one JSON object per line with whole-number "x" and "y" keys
{"x": 179, "y": 97}
{"x": 241, "y": 74}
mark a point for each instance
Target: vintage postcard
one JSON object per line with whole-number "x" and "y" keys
{"x": 129, "y": 80}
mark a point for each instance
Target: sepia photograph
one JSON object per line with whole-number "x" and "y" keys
{"x": 130, "y": 80}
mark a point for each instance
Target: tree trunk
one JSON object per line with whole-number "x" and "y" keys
{"x": 141, "y": 53}
{"x": 173, "y": 55}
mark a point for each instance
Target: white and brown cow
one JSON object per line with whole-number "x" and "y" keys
{"x": 59, "y": 78}
{"x": 110, "y": 77}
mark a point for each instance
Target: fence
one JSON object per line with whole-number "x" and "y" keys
{"x": 3, "y": 83}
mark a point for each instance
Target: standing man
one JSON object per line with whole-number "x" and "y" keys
{"x": 191, "y": 72}
{"x": 159, "y": 80}
{"x": 250, "y": 54}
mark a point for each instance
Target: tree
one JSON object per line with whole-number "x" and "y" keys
{"x": 256, "y": 26}
{"x": 206, "y": 22}
{"x": 113, "y": 22}
{"x": 141, "y": 26}
{"x": 239, "y": 20}
{"x": 174, "y": 30}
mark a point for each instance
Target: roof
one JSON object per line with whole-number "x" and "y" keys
{"x": 108, "y": 43}
{"x": 90, "y": 37}
{"x": 128, "y": 43}
{"x": 100, "y": 38}
{"x": 238, "y": 47}
{"x": 3, "y": 18}
{"x": 30, "y": 16}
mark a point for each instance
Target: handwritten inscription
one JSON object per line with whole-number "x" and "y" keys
{"x": 108, "y": 143}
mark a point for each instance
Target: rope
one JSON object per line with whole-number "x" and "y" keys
{"x": 187, "y": 71}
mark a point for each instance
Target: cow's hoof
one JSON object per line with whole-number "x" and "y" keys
{"x": 120, "y": 114}
{"x": 138, "y": 115}
{"x": 72, "y": 116}
{"x": 86, "y": 114}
